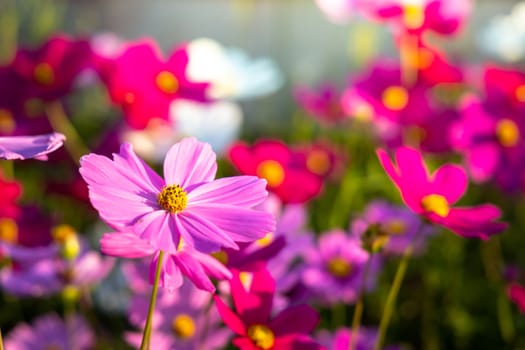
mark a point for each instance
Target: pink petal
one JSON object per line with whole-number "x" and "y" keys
{"x": 191, "y": 268}
{"x": 170, "y": 274}
{"x": 450, "y": 181}
{"x": 254, "y": 305}
{"x": 240, "y": 224}
{"x": 295, "y": 319}
{"x": 158, "y": 227}
{"x": 482, "y": 161}
{"x": 206, "y": 236}
{"x": 474, "y": 222}
{"x": 516, "y": 293}
{"x": 24, "y": 147}
{"x": 189, "y": 162}
{"x": 229, "y": 317}
{"x": 246, "y": 191}
{"x": 125, "y": 245}
{"x": 246, "y": 344}
{"x": 212, "y": 266}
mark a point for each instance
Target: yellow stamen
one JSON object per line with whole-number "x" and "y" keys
{"x": 507, "y": 132}
{"x": 173, "y": 198}
{"x": 167, "y": 82}
{"x": 262, "y": 336}
{"x": 395, "y": 227}
{"x": 520, "y": 93}
{"x": 395, "y": 98}
{"x": 413, "y": 16}
{"x": 7, "y": 122}
{"x": 8, "y": 230}
{"x": 318, "y": 162}
{"x": 183, "y": 326}
{"x": 66, "y": 236}
{"x": 437, "y": 204}
{"x": 339, "y": 267}
{"x": 272, "y": 171}
{"x": 43, "y": 74}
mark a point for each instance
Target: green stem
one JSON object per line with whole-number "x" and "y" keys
{"x": 392, "y": 295}
{"x": 358, "y": 311}
{"x": 60, "y": 122}
{"x": 147, "y": 328}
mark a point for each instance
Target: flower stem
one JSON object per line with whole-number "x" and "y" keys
{"x": 392, "y": 295}
{"x": 147, "y": 328}
{"x": 358, "y": 311}
{"x": 60, "y": 122}
{"x": 1, "y": 341}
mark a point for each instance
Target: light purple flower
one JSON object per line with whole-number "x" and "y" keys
{"x": 188, "y": 206}
{"x": 182, "y": 320}
{"x": 51, "y": 332}
{"x": 25, "y": 147}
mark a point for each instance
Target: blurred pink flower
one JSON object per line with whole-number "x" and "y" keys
{"x": 432, "y": 196}
{"x": 516, "y": 293}
{"x": 322, "y": 103}
{"x": 11, "y": 191}
{"x": 25, "y": 147}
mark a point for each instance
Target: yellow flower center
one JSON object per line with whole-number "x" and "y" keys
{"x": 395, "y": 98}
{"x": 7, "y": 122}
{"x": 413, "y": 16}
{"x": 520, "y": 93}
{"x": 8, "y": 230}
{"x": 173, "y": 198}
{"x": 507, "y": 132}
{"x": 43, "y": 74}
{"x": 66, "y": 236}
{"x": 395, "y": 227}
{"x": 435, "y": 203}
{"x": 339, "y": 267}
{"x": 262, "y": 336}
{"x": 318, "y": 162}
{"x": 266, "y": 240}
{"x": 167, "y": 82}
{"x": 183, "y": 326}
{"x": 272, "y": 171}
{"x": 221, "y": 256}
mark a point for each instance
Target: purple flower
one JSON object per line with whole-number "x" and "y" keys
{"x": 188, "y": 206}
{"x": 25, "y": 147}
{"x": 340, "y": 340}
{"x": 334, "y": 269}
{"x": 51, "y": 332}
{"x": 182, "y": 320}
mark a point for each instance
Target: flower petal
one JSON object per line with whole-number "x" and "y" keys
{"x": 229, "y": 317}
{"x": 125, "y": 245}
{"x": 189, "y": 162}
{"x": 450, "y": 181}
{"x": 170, "y": 274}
{"x": 159, "y": 229}
{"x": 245, "y": 191}
{"x": 191, "y": 268}
{"x": 295, "y": 319}
{"x": 206, "y": 236}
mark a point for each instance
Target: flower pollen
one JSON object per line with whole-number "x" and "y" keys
{"x": 395, "y": 98}
{"x": 43, "y": 74}
{"x": 437, "y": 204}
{"x": 167, "y": 82}
{"x": 173, "y": 198}
{"x": 262, "y": 336}
{"x": 339, "y": 267}
{"x": 507, "y": 132}
{"x": 272, "y": 171}
{"x": 183, "y": 326}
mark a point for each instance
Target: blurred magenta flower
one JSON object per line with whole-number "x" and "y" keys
{"x": 11, "y": 191}
{"x": 187, "y": 206}
{"x": 252, "y": 321}
{"x": 25, "y": 147}
{"x": 432, "y": 196}
{"x": 144, "y": 84}
{"x": 182, "y": 320}
{"x": 516, "y": 293}
{"x": 323, "y": 103}
{"x": 334, "y": 268}
{"x": 504, "y": 86}
{"x": 340, "y": 339}
{"x": 283, "y": 168}
{"x": 51, "y": 332}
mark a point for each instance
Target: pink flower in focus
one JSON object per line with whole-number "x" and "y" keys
{"x": 25, "y": 147}
{"x": 252, "y": 322}
{"x": 433, "y": 196}
{"x": 144, "y": 84}
{"x": 188, "y": 205}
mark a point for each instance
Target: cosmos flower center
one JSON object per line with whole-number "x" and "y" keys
{"x": 507, "y": 132}
{"x": 413, "y": 16}
{"x": 272, "y": 171}
{"x": 8, "y": 230}
{"x": 339, "y": 267}
{"x": 318, "y": 162}
{"x": 395, "y": 226}
{"x": 435, "y": 203}
{"x": 173, "y": 198}
{"x": 266, "y": 240}
{"x": 183, "y": 326}
{"x": 395, "y": 98}
{"x": 167, "y": 82}
{"x": 7, "y": 122}
{"x": 262, "y": 336}
{"x": 520, "y": 93}
{"x": 44, "y": 74}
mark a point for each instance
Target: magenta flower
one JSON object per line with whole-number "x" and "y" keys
{"x": 51, "y": 332}
{"x": 340, "y": 340}
{"x": 11, "y": 191}
{"x": 252, "y": 321}
{"x": 323, "y": 103}
{"x": 25, "y": 147}
{"x": 516, "y": 293}
{"x": 188, "y": 206}
{"x": 433, "y": 196}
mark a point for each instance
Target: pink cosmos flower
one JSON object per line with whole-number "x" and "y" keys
{"x": 51, "y": 332}
{"x": 432, "y": 196}
{"x": 283, "y": 167}
{"x": 252, "y": 321}
{"x": 25, "y": 147}
{"x": 188, "y": 205}
{"x": 144, "y": 84}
